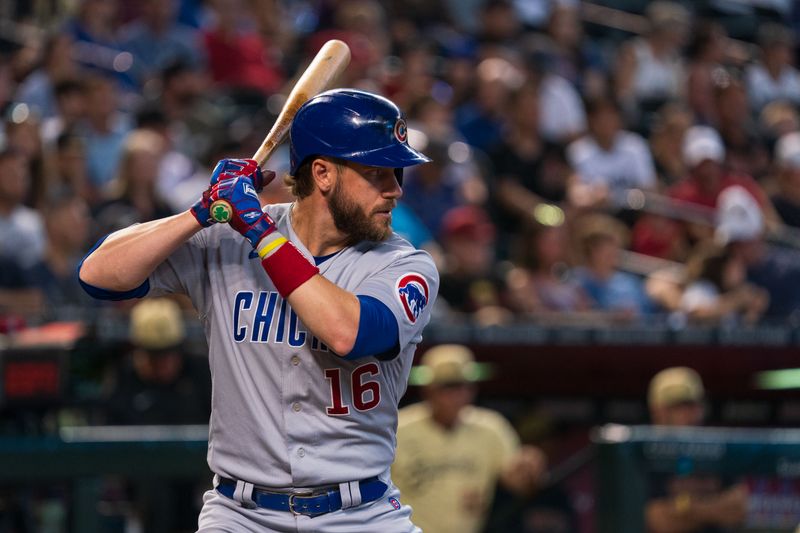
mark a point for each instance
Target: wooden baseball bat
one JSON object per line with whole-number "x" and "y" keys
{"x": 330, "y": 61}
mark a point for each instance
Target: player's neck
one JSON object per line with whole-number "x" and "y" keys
{"x": 313, "y": 224}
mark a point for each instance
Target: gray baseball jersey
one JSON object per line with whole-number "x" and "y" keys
{"x": 286, "y": 411}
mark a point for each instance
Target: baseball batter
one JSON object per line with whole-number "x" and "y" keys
{"x": 312, "y": 311}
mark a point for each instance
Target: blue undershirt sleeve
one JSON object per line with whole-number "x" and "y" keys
{"x": 105, "y": 294}
{"x": 378, "y": 334}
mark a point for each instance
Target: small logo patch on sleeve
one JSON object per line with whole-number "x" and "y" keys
{"x": 412, "y": 289}
{"x": 395, "y": 503}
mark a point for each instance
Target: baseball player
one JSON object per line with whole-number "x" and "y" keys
{"x": 312, "y": 311}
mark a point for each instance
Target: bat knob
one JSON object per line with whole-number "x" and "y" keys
{"x": 221, "y": 211}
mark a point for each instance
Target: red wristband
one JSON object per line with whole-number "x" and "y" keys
{"x": 288, "y": 268}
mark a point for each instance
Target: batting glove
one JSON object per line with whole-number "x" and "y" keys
{"x": 231, "y": 168}
{"x": 247, "y": 217}
{"x": 201, "y": 207}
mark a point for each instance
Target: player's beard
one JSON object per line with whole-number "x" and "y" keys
{"x": 351, "y": 219}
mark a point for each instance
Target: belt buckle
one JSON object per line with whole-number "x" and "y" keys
{"x": 292, "y": 496}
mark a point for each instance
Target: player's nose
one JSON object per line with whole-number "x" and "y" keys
{"x": 391, "y": 187}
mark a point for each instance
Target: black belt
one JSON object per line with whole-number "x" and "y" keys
{"x": 310, "y": 503}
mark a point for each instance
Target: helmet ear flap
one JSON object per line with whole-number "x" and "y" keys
{"x": 398, "y": 173}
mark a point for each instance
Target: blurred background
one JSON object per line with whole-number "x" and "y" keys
{"x": 615, "y": 190}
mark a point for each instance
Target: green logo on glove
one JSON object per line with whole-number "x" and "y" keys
{"x": 221, "y": 211}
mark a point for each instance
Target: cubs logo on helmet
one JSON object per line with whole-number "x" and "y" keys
{"x": 412, "y": 289}
{"x": 401, "y": 130}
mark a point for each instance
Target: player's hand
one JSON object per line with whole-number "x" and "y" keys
{"x": 201, "y": 209}
{"x": 229, "y": 169}
{"x": 233, "y": 168}
{"x": 525, "y": 471}
{"x": 247, "y": 217}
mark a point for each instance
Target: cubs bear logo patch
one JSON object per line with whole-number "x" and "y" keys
{"x": 412, "y": 289}
{"x": 395, "y": 503}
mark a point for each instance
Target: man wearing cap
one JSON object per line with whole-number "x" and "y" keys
{"x": 740, "y": 229}
{"x": 159, "y": 384}
{"x": 704, "y": 156}
{"x": 470, "y": 283}
{"x": 696, "y": 502}
{"x": 451, "y": 454}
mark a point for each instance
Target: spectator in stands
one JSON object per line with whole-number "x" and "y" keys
{"x": 609, "y": 289}
{"x": 70, "y": 102}
{"x": 608, "y": 160}
{"x": 23, "y": 238}
{"x": 416, "y": 79}
{"x": 23, "y": 135}
{"x": 69, "y": 167}
{"x": 746, "y": 153}
{"x": 94, "y": 31}
{"x": 707, "y": 57}
{"x": 156, "y": 40}
{"x": 740, "y": 228}
{"x": 132, "y": 194}
{"x": 104, "y": 131}
{"x": 562, "y": 117}
{"x": 718, "y": 291}
{"x": 469, "y": 280}
{"x": 541, "y": 281}
{"x": 451, "y": 454}
{"x": 528, "y": 170}
{"x": 688, "y": 502}
{"x": 654, "y": 234}
{"x": 450, "y": 180}
{"x": 704, "y": 157}
{"x": 666, "y": 140}
{"x": 22, "y": 228}
{"x": 480, "y": 120}
{"x": 787, "y": 161}
{"x": 67, "y": 223}
{"x": 773, "y": 77}
{"x": 650, "y": 69}
{"x": 499, "y": 24}
{"x": 571, "y": 54}
{"x": 237, "y": 56}
{"x": 179, "y": 178}
{"x": 57, "y": 66}
{"x": 434, "y": 118}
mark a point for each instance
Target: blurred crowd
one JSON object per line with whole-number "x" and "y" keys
{"x": 591, "y": 164}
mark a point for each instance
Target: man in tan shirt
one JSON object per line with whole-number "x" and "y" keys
{"x": 696, "y": 503}
{"x": 451, "y": 454}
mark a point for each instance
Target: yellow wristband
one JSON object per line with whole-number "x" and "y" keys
{"x": 263, "y": 252}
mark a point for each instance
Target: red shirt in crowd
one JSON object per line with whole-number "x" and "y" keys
{"x": 242, "y": 60}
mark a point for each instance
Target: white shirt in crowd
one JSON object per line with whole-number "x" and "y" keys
{"x": 561, "y": 112}
{"x": 628, "y": 164}
{"x": 763, "y": 88}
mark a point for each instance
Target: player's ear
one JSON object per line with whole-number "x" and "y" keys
{"x": 324, "y": 174}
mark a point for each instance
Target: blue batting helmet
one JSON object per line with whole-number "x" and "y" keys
{"x": 355, "y": 126}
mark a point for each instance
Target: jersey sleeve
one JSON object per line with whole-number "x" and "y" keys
{"x": 183, "y": 272}
{"x": 408, "y": 287}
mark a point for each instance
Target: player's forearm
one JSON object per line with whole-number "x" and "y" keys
{"x": 127, "y": 257}
{"x": 329, "y": 312}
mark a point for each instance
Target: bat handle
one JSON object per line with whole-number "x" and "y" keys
{"x": 221, "y": 211}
